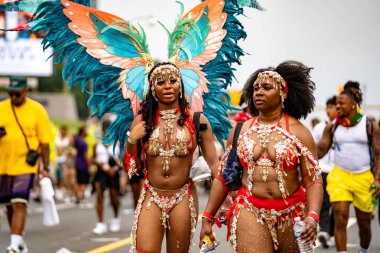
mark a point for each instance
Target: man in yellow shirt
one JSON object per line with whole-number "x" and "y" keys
{"x": 24, "y": 126}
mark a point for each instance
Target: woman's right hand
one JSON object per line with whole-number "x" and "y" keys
{"x": 138, "y": 131}
{"x": 206, "y": 231}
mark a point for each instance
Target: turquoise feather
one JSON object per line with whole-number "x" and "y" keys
{"x": 117, "y": 42}
{"x": 191, "y": 78}
{"x": 135, "y": 80}
{"x": 80, "y": 68}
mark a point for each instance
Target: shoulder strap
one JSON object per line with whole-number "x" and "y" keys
{"x": 196, "y": 121}
{"x": 332, "y": 139}
{"x": 369, "y": 130}
{"x": 18, "y": 123}
{"x": 236, "y": 133}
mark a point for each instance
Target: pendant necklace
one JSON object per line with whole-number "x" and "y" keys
{"x": 168, "y": 116}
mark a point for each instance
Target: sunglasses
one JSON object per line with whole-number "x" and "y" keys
{"x": 16, "y": 94}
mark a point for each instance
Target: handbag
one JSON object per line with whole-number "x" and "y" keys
{"x": 233, "y": 169}
{"x": 32, "y": 155}
{"x": 200, "y": 171}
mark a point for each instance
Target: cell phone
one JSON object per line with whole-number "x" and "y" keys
{"x": 2, "y": 131}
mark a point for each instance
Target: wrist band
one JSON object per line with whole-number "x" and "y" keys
{"x": 311, "y": 218}
{"x": 132, "y": 141}
{"x": 210, "y": 217}
{"x": 313, "y": 215}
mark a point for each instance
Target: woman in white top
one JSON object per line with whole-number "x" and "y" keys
{"x": 353, "y": 138}
{"x": 107, "y": 176}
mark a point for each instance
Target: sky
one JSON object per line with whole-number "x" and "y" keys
{"x": 340, "y": 39}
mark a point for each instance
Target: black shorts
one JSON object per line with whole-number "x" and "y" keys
{"x": 83, "y": 177}
{"x": 135, "y": 179}
{"x": 106, "y": 181}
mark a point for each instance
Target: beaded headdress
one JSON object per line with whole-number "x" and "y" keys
{"x": 265, "y": 76}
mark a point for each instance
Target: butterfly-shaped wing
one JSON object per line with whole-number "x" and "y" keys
{"x": 114, "y": 42}
{"x": 194, "y": 42}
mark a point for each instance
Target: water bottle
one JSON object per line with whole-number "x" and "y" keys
{"x": 299, "y": 226}
{"x": 375, "y": 201}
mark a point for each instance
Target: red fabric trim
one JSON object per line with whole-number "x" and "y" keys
{"x": 276, "y": 204}
{"x": 287, "y": 122}
{"x": 221, "y": 179}
{"x": 127, "y": 159}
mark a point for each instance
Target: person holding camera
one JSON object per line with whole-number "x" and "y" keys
{"x": 276, "y": 171}
{"x": 24, "y": 136}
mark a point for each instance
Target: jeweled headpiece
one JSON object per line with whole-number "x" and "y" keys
{"x": 164, "y": 72}
{"x": 263, "y": 77}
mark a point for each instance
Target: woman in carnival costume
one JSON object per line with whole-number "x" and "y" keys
{"x": 154, "y": 101}
{"x": 354, "y": 139}
{"x": 281, "y": 178}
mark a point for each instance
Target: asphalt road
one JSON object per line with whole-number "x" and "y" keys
{"x": 74, "y": 233}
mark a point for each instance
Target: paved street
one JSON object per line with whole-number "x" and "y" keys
{"x": 74, "y": 234}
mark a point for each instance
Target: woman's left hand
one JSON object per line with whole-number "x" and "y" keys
{"x": 309, "y": 234}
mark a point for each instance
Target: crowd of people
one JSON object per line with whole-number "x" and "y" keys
{"x": 273, "y": 175}
{"x": 275, "y": 150}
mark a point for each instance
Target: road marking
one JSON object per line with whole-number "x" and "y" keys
{"x": 112, "y": 246}
{"x": 104, "y": 239}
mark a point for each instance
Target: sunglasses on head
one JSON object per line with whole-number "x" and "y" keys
{"x": 14, "y": 93}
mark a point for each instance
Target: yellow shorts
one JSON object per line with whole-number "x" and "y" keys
{"x": 353, "y": 187}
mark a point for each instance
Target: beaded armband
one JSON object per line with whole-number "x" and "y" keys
{"x": 130, "y": 164}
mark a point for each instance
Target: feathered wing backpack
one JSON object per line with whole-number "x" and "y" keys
{"x": 113, "y": 54}
{"x": 233, "y": 169}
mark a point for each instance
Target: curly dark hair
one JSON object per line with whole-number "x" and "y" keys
{"x": 300, "y": 99}
{"x": 150, "y": 105}
{"x": 352, "y": 89}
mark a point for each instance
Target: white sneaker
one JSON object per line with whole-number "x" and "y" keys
{"x": 323, "y": 238}
{"x": 331, "y": 242}
{"x": 115, "y": 225}
{"x": 100, "y": 229}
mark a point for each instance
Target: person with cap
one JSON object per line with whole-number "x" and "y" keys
{"x": 24, "y": 137}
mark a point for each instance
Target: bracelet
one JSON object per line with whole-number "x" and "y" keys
{"x": 211, "y": 218}
{"x": 313, "y": 215}
{"x": 132, "y": 141}
{"x": 311, "y": 218}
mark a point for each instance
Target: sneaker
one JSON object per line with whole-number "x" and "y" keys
{"x": 323, "y": 238}
{"x": 115, "y": 225}
{"x": 21, "y": 249}
{"x": 12, "y": 250}
{"x": 331, "y": 242}
{"x": 100, "y": 229}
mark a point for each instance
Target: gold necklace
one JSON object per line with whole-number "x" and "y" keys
{"x": 168, "y": 116}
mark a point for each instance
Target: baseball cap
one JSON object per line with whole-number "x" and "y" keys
{"x": 17, "y": 84}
